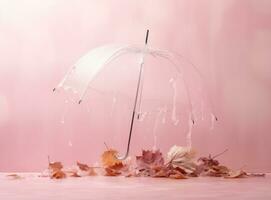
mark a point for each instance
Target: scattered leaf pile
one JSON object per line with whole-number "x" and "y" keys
{"x": 180, "y": 163}
{"x": 208, "y": 166}
{"x": 56, "y": 171}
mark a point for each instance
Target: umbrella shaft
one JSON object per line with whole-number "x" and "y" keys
{"x": 133, "y": 115}
{"x": 135, "y": 103}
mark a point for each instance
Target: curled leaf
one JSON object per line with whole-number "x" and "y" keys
{"x": 83, "y": 167}
{"x": 236, "y": 174}
{"x": 85, "y": 170}
{"x": 112, "y": 172}
{"x": 55, "y": 166}
{"x": 179, "y": 154}
{"x": 183, "y": 158}
{"x": 109, "y": 158}
{"x": 58, "y": 174}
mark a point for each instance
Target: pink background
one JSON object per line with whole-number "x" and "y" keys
{"x": 229, "y": 40}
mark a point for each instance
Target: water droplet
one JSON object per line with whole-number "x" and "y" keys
{"x": 174, "y": 98}
{"x": 114, "y": 100}
{"x": 189, "y": 133}
{"x": 70, "y": 143}
{"x": 164, "y": 115}
{"x": 142, "y": 116}
{"x": 202, "y": 110}
{"x": 176, "y": 122}
{"x": 213, "y": 118}
{"x": 154, "y": 130}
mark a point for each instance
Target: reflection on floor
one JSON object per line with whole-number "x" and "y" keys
{"x": 37, "y": 188}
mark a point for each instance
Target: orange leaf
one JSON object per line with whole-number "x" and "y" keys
{"x": 112, "y": 172}
{"x": 83, "y": 167}
{"x": 91, "y": 172}
{"x": 177, "y": 176}
{"x": 58, "y": 174}
{"x": 109, "y": 158}
{"x": 55, "y": 166}
{"x": 72, "y": 174}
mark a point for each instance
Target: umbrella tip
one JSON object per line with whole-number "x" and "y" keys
{"x": 216, "y": 119}
{"x": 193, "y": 121}
{"x": 54, "y": 89}
{"x": 147, "y": 36}
{"x": 80, "y": 101}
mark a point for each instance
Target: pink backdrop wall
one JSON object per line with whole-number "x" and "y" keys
{"x": 229, "y": 40}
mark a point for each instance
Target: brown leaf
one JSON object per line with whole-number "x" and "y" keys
{"x": 83, "y": 167}
{"x": 112, "y": 172}
{"x": 55, "y": 170}
{"x": 14, "y": 176}
{"x": 116, "y": 169}
{"x": 161, "y": 173}
{"x": 236, "y": 174}
{"x": 150, "y": 163}
{"x": 55, "y": 166}
{"x": 149, "y": 159}
{"x": 256, "y": 174}
{"x": 177, "y": 176}
{"x": 86, "y": 170}
{"x": 91, "y": 172}
{"x": 72, "y": 174}
{"x": 57, "y": 174}
{"x": 117, "y": 166}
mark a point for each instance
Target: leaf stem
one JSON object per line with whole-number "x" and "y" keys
{"x": 220, "y": 154}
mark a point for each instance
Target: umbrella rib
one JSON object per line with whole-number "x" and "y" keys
{"x": 202, "y": 80}
{"x": 186, "y": 87}
{"x": 112, "y": 57}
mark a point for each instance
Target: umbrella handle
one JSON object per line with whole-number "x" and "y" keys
{"x": 134, "y": 109}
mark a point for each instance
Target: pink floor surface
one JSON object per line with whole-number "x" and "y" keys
{"x": 111, "y": 188}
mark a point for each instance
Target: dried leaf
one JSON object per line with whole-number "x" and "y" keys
{"x": 117, "y": 166}
{"x": 85, "y": 170}
{"x": 149, "y": 159}
{"x": 256, "y": 174}
{"x": 58, "y": 174}
{"x": 55, "y": 166}
{"x": 14, "y": 176}
{"x": 55, "y": 170}
{"x": 183, "y": 158}
{"x": 83, "y": 167}
{"x": 112, "y": 172}
{"x": 179, "y": 154}
{"x": 72, "y": 174}
{"x": 236, "y": 174}
{"x": 177, "y": 176}
{"x": 109, "y": 158}
{"x": 161, "y": 173}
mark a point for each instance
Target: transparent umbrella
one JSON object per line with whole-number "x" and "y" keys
{"x": 83, "y": 75}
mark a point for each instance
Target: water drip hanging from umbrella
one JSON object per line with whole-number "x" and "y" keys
{"x": 82, "y": 74}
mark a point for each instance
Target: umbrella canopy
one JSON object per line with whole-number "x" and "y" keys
{"x": 87, "y": 74}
